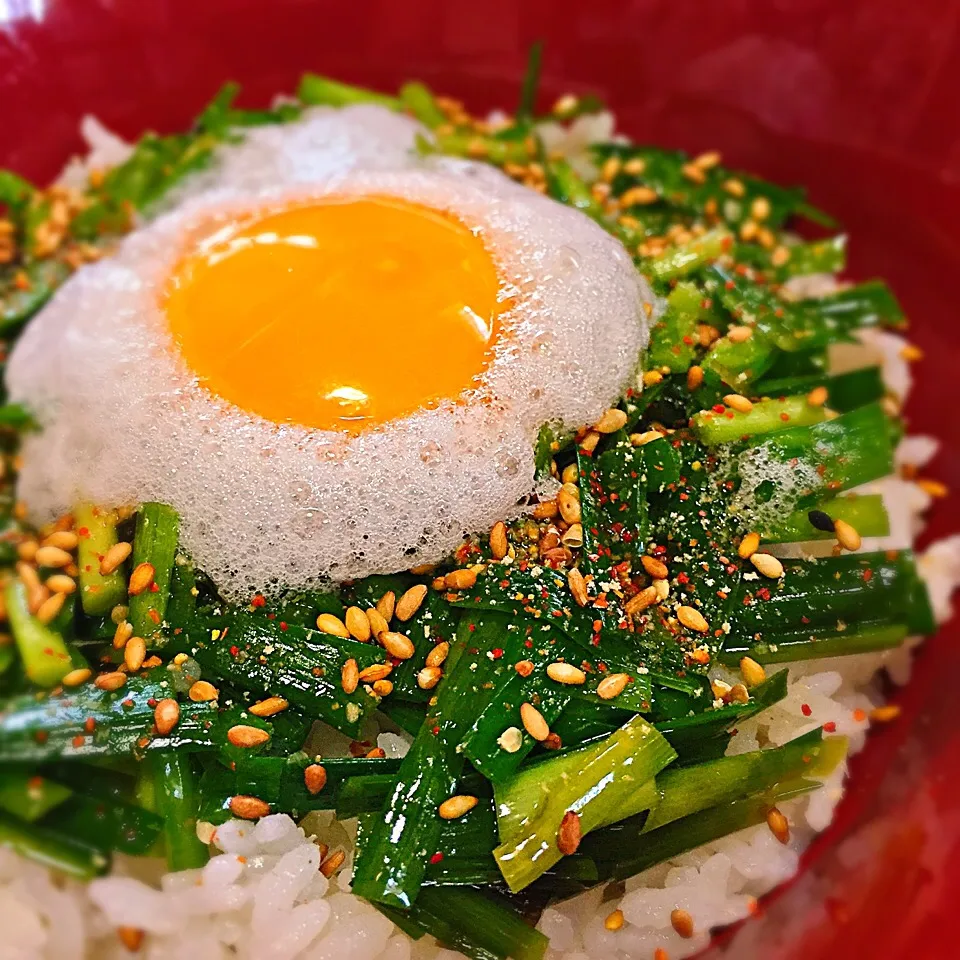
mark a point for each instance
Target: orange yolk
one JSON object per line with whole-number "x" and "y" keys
{"x": 340, "y": 315}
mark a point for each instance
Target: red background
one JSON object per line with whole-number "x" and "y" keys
{"x": 855, "y": 98}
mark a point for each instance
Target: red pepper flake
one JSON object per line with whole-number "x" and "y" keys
{"x": 435, "y": 731}
{"x": 471, "y": 627}
{"x": 504, "y": 584}
{"x": 258, "y": 600}
{"x": 867, "y": 575}
{"x": 730, "y": 285}
{"x": 859, "y": 715}
{"x": 829, "y": 727}
{"x": 437, "y": 858}
{"x": 528, "y": 644}
{"x": 683, "y": 578}
{"x": 78, "y": 741}
{"x": 718, "y": 408}
{"x": 496, "y": 653}
{"x": 234, "y": 651}
{"x": 83, "y": 532}
{"x": 154, "y": 587}
{"x": 89, "y": 725}
{"x": 805, "y": 709}
{"x": 154, "y": 616}
{"x": 804, "y": 620}
{"x": 785, "y": 417}
{"x": 283, "y": 625}
{"x": 764, "y": 593}
{"x": 152, "y": 702}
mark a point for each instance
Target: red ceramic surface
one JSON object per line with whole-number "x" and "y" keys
{"x": 856, "y": 99}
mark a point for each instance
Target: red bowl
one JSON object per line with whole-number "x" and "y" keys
{"x": 856, "y": 100}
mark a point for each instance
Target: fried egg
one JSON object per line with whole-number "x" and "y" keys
{"x": 332, "y": 356}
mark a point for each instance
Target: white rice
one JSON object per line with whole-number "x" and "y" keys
{"x": 262, "y": 897}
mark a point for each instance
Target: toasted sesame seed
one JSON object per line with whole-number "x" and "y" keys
{"x": 651, "y": 377}
{"x": 314, "y": 778}
{"x": 534, "y": 722}
{"x": 357, "y": 624}
{"x": 377, "y": 623}
{"x": 110, "y": 681}
{"x": 131, "y": 937}
{"x": 614, "y": 921}
{"x": 438, "y": 654}
{"x": 141, "y": 578}
{"x": 566, "y": 105}
{"x": 635, "y": 166}
{"x": 692, "y": 619}
{"x": 375, "y": 672}
{"x": 333, "y": 863}
{"x": 817, "y": 397}
{"x": 778, "y": 825}
{"x": 382, "y": 688}
{"x": 61, "y": 583}
{"x": 737, "y": 402}
{"x": 75, "y": 677}
{"x": 64, "y": 539}
{"x": 693, "y": 172}
{"x": 429, "y": 677}
{"x": 767, "y": 565}
{"x": 654, "y": 567}
{"x": 780, "y": 256}
{"x": 749, "y": 545}
{"x": 571, "y": 473}
{"x": 734, "y": 187}
{"x": 748, "y": 230}
{"x": 456, "y": 807}
{"x": 498, "y": 540}
{"x": 397, "y": 645}
{"x": 134, "y": 653}
{"x": 203, "y": 692}
{"x": 642, "y": 439}
{"x": 27, "y": 551}
{"x": 566, "y": 673}
{"x": 612, "y": 686}
{"x": 662, "y": 588}
{"x": 243, "y": 735}
{"x": 933, "y": 488}
{"x": 334, "y": 626}
{"x": 578, "y": 586}
{"x": 694, "y": 378}
{"x": 612, "y": 421}
{"x": 410, "y": 602}
{"x": 682, "y": 922}
{"x": 886, "y": 713}
{"x": 52, "y": 557}
{"x": 349, "y": 676}
{"x": 546, "y": 510}
{"x": 462, "y": 579}
{"x": 248, "y": 808}
{"x": 269, "y": 707}
{"x": 760, "y": 208}
{"x": 645, "y": 598}
{"x": 752, "y": 672}
{"x": 166, "y": 716}
{"x": 568, "y": 836}
{"x": 737, "y": 334}
{"x": 847, "y": 535}
{"x": 911, "y": 353}
{"x": 720, "y": 688}
{"x": 386, "y": 605}
{"x": 590, "y": 441}
{"x": 638, "y": 196}
{"x": 510, "y": 740}
{"x": 48, "y": 610}
{"x": 739, "y": 694}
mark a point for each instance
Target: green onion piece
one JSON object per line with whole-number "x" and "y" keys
{"x": 531, "y": 81}
{"x": 155, "y": 542}
{"x": 46, "y": 658}
{"x": 601, "y": 784}
{"x": 53, "y": 850}
{"x": 97, "y": 530}
{"x": 684, "y": 258}
{"x": 178, "y": 798}
{"x": 765, "y": 417}
{"x": 322, "y": 91}
{"x": 419, "y": 100}
{"x": 29, "y": 796}
{"x": 672, "y": 340}
{"x": 865, "y": 512}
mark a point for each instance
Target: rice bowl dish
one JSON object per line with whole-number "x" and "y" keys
{"x": 436, "y": 536}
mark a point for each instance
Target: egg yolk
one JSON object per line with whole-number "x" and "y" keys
{"x": 339, "y": 315}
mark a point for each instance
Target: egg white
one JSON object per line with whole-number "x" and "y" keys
{"x": 265, "y": 506}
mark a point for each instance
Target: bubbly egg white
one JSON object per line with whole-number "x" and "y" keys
{"x": 265, "y": 506}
